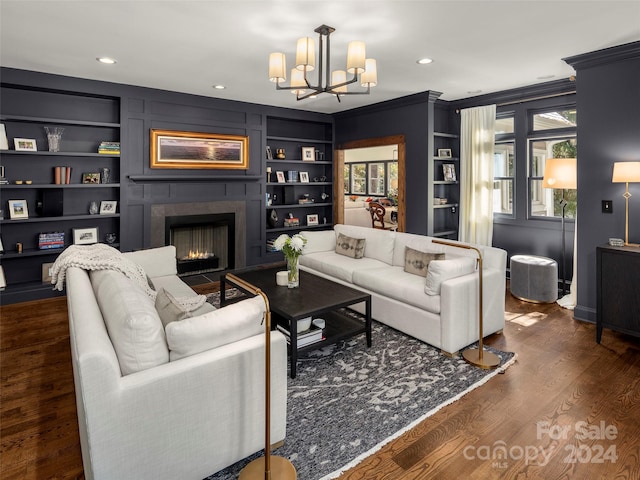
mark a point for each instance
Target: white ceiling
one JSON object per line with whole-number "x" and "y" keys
{"x": 188, "y": 46}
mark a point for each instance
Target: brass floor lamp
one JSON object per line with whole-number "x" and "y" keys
{"x": 476, "y": 356}
{"x": 269, "y": 466}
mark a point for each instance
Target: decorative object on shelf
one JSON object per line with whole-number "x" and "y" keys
{"x": 312, "y": 219}
{"x": 85, "y": 236}
{"x": 324, "y": 196}
{"x": 105, "y": 175}
{"x": 54, "y": 137}
{"x": 476, "y": 356}
{"x": 319, "y": 155}
{"x": 4, "y": 142}
{"x": 109, "y": 148}
{"x": 110, "y": 238}
{"x": 268, "y": 199}
{"x": 304, "y": 177}
{"x": 18, "y": 209}
{"x": 90, "y": 178}
{"x": 449, "y": 171}
{"x": 272, "y": 218}
{"x": 561, "y": 173}
{"x": 291, "y": 247}
{"x": 46, "y": 272}
{"x": 19, "y": 182}
{"x": 280, "y": 176}
{"x": 269, "y": 153}
{"x": 93, "y": 208}
{"x": 357, "y": 64}
{"x": 108, "y": 207}
{"x": 3, "y": 180}
{"x": 280, "y": 153}
{"x": 1, "y": 246}
{"x": 62, "y": 175}
{"x": 50, "y": 240}
{"x": 3, "y": 282}
{"x": 176, "y": 149}
{"x": 444, "y": 153}
{"x": 292, "y": 176}
{"x": 25, "y": 144}
{"x": 308, "y": 154}
{"x": 19, "y": 247}
{"x": 625, "y": 172}
{"x": 268, "y": 174}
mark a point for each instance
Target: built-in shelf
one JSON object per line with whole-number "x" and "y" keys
{"x": 64, "y": 218}
{"x": 299, "y": 205}
{"x": 276, "y": 184}
{"x": 445, "y": 135}
{"x": 298, "y": 228}
{"x": 446, "y": 205}
{"x": 298, "y": 161}
{"x": 298, "y": 139}
{"x": 444, "y": 182}
{"x": 60, "y": 121}
{"x": 57, "y": 154}
{"x": 40, "y": 186}
{"x": 194, "y": 178}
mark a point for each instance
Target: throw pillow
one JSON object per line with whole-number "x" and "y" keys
{"x": 350, "y": 247}
{"x": 416, "y": 262}
{"x": 169, "y": 309}
{"x": 442, "y": 270}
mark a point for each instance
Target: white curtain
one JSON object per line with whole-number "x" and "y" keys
{"x": 476, "y": 172}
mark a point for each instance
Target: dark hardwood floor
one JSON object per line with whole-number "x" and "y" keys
{"x": 524, "y": 424}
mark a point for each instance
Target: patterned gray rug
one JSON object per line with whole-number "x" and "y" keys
{"x": 347, "y": 400}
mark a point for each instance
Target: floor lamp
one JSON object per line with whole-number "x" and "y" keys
{"x": 561, "y": 173}
{"x": 625, "y": 172}
{"x": 269, "y": 466}
{"x": 476, "y": 356}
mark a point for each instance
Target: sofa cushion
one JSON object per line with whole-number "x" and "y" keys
{"x": 442, "y": 270}
{"x": 169, "y": 309}
{"x": 338, "y": 266}
{"x": 417, "y": 242}
{"x": 134, "y": 327}
{"x": 379, "y": 243}
{"x": 394, "y": 282}
{"x": 416, "y": 261}
{"x": 319, "y": 241}
{"x": 214, "y": 329}
{"x": 349, "y": 246}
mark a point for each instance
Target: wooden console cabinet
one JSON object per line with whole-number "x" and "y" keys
{"x": 618, "y": 294}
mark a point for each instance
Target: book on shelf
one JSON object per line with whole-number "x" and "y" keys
{"x": 313, "y": 335}
{"x": 109, "y": 148}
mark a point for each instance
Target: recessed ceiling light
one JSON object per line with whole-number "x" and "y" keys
{"x": 219, "y": 87}
{"x": 424, "y": 61}
{"x": 107, "y": 60}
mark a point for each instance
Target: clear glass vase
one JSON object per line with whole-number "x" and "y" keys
{"x": 54, "y": 137}
{"x": 293, "y": 272}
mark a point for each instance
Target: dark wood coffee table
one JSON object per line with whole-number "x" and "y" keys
{"x": 316, "y": 297}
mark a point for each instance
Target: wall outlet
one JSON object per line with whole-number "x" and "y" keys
{"x": 607, "y": 206}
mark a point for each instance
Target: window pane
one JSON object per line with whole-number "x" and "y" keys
{"x": 546, "y": 202}
{"x": 358, "y": 179}
{"x": 504, "y": 125}
{"x": 503, "y": 159}
{"x": 376, "y": 179}
{"x": 392, "y": 181}
{"x": 346, "y": 178}
{"x": 555, "y": 119}
{"x": 554, "y": 148}
{"x": 503, "y": 196}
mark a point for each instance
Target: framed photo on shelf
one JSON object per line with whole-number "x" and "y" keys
{"x": 46, "y": 272}
{"x": 93, "y": 177}
{"x": 18, "y": 209}
{"x": 312, "y": 219}
{"x": 444, "y": 153}
{"x": 269, "y": 153}
{"x": 108, "y": 207}
{"x": 85, "y": 236}
{"x": 176, "y": 149}
{"x": 25, "y": 144}
{"x": 308, "y": 154}
{"x": 1, "y": 246}
{"x": 449, "y": 171}
{"x": 280, "y": 176}
{"x": 304, "y": 177}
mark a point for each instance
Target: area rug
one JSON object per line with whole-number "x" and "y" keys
{"x": 347, "y": 400}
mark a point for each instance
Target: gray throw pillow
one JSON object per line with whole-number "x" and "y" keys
{"x": 417, "y": 262}
{"x": 350, "y": 247}
{"x": 169, "y": 309}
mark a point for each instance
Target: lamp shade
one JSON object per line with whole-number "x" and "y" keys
{"x": 560, "y": 173}
{"x": 626, "y": 172}
{"x": 297, "y": 80}
{"x": 356, "y": 57}
{"x": 306, "y": 54}
{"x": 338, "y": 77}
{"x": 370, "y": 75}
{"x": 277, "y": 67}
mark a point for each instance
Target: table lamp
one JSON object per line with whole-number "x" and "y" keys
{"x": 625, "y": 172}
{"x": 561, "y": 173}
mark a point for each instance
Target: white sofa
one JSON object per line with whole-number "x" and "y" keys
{"x": 447, "y": 316}
{"x": 357, "y": 213}
{"x": 181, "y": 414}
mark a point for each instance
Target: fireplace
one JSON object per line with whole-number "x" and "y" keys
{"x": 208, "y": 236}
{"x": 204, "y": 243}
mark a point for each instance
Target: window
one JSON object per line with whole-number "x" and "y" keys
{"x": 504, "y": 125}
{"x": 376, "y": 179}
{"x": 379, "y": 179}
{"x": 555, "y": 119}
{"x": 359, "y": 178}
{"x": 546, "y": 202}
{"x": 503, "y": 167}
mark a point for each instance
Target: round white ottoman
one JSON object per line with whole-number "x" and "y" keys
{"x": 534, "y": 279}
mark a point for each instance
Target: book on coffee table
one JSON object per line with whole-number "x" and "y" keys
{"x": 313, "y": 335}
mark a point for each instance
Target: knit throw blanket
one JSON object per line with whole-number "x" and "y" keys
{"x": 103, "y": 257}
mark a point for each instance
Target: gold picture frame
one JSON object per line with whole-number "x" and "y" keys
{"x": 191, "y": 150}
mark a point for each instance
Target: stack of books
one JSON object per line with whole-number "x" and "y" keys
{"x": 109, "y": 148}
{"x": 291, "y": 222}
{"x": 62, "y": 175}
{"x": 270, "y": 246}
{"x": 308, "y": 337}
{"x": 50, "y": 240}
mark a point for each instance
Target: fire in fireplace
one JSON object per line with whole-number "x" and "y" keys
{"x": 204, "y": 243}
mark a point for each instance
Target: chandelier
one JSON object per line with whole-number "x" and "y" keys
{"x": 335, "y": 83}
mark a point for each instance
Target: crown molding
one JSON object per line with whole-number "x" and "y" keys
{"x": 604, "y": 56}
